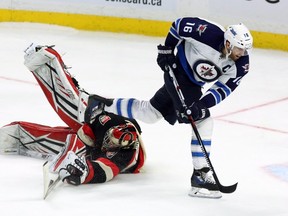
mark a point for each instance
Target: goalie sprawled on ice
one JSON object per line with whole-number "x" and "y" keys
{"x": 94, "y": 147}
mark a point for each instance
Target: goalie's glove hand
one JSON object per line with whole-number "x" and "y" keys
{"x": 166, "y": 58}
{"x": 197, "y": 110}
{"x": 76, "y": 170}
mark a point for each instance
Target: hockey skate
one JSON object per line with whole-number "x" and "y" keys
{"x": 203, "y": 184}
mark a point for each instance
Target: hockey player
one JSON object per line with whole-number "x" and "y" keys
{"x": 94, "y": 148}
{"x": 199, "y": 52}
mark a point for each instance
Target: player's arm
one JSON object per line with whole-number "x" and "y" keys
{"x": 104, "y": 170}
{"x": 226, "y": 84}
{"x": 182, "y": 28}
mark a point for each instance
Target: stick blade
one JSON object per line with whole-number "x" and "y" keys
{"x": 228, "y": 189}
{"x": 51, "y": 180}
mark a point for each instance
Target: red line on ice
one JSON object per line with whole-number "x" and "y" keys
{"x": 220, "y": 117}
{"x": 18, "y": 80}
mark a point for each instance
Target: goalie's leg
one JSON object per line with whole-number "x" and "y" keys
{"x": 34, "y": 140}
{"x": 61, "y": 90}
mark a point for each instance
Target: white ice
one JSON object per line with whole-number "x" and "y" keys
{"x": 250, "y": 137}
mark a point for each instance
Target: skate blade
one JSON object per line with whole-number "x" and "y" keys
{"x": 204, "y": 193}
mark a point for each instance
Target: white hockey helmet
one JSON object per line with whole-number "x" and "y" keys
{"x": 239, "y": 36}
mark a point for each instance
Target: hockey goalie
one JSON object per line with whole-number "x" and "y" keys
{"x": 94, "y": 146}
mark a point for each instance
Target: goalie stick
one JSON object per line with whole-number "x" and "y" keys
{"x": 223, "y": 189}
{"x": 51, "y": 180}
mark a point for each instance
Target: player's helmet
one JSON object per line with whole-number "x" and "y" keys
{"x": 120, "y": 136}
{"x": 239, "y": 36}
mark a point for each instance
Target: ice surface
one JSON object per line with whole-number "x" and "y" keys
{"x": 250, "y": 137}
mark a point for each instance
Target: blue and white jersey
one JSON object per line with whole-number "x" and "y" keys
{"x": 199, "y": 43}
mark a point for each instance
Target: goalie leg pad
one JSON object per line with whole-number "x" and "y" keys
{"x": 35, "y": 56}
{"x": 9, "y": 139}
{"x": 57, "y": 84}
{"x": 34, "y": 140}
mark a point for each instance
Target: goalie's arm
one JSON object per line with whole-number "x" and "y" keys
{"x": 103, "y": 170}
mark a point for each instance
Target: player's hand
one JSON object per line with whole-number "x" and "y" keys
{"x": 166, "y": 58}
{"x": 73, "y": 169}
{"x": 197, "y": 110}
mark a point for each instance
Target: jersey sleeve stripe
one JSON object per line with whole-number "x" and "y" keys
{"x": 216, "y": 95}
{"x": 110, "y": 169}
{"x": 174, "y": 33}
{"x": 224, "y": 87}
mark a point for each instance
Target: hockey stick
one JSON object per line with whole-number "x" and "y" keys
{"x": 51, "y": 180}
{"x": 223, "y": 189}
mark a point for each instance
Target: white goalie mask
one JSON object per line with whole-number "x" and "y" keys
{"x": 239, "y": 36}
{"x": 119, "y": 137}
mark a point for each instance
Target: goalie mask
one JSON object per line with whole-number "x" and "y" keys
{"x": 119, "y": 137}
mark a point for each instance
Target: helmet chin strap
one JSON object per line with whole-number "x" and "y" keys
{"x": 228, "y": 51}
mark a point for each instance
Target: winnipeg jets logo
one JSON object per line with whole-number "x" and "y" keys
{"x": 201, "y": 28}
{"x": 206, "y": 70}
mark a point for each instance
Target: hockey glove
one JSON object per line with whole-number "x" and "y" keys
{"x": 75, "y": 169}
{"x": 166, "y": 58}
{"x": 197, "y": 110}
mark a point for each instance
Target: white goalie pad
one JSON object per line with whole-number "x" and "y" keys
{"x": 9, "y": 139}
{"x": 36, "y": 56}
{"x": 67, "y": 100}
{"x": 33, "y": 140}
